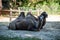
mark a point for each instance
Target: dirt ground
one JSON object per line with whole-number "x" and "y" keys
{"x": 51, "y": 30}
{"x": 50, "y": 18}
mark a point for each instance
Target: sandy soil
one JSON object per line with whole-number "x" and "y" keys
{"x": 50, "y": 18}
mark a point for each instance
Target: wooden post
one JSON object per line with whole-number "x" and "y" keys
{"x": 30, "y": 10}
{"x": 0, "y": 6}
{"x": 19, "y": 9}
{"x": 10, "y": 14}
{"x": 37, "y": 12}
{"x": 41, "y": 10}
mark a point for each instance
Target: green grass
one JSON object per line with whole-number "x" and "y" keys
{"x": 4, "y": 23}
{"x": 17, "y": 38}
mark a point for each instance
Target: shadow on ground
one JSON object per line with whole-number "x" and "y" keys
{"x": 51, "y": 31}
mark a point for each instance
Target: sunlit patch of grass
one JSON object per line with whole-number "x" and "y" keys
{"x": 17, "y": 38}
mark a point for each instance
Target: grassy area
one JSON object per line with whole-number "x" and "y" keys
{"x": 17, "y": 38}
{"x": 4, "y": 23}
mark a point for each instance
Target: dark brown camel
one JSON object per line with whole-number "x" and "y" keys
{"x": 29, "y": 22}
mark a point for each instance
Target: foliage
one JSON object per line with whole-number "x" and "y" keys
{"x": 50, "y": 6}
{"x": 5, "y": 4}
